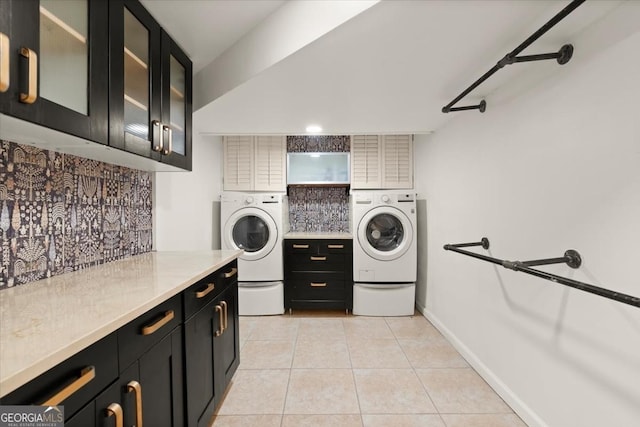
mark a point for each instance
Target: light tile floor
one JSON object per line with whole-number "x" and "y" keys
{"x": 326, "y": 369}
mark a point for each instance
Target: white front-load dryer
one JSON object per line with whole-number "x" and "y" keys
{"x": 256, "y": 224}
{"x": 385, "y": 255}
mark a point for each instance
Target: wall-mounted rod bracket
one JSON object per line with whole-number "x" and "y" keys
{"x": 571, "y": 258}
{"x": 562, "y": 57}
{"x": 482, "y": 106}
{"x": 484, "y": 242}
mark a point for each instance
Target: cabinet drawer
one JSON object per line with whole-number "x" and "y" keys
{"x": 310, "y": 262}
{"x": 141, "y": 334}
{"x": 80, "y": 378}
{"x": 293, "y": 246}
{"x": 322, "y": 287}
{"x": 205, "y": 290}
{"x": 335, "y": 246}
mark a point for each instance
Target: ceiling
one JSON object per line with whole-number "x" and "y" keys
{"x": 388, "y": 69}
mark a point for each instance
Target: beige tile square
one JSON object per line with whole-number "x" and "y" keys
{"x": 377, "y": 353}
{"x": 483, "y": 420}
{"x": 432, "y": 353}
{"x": 461, "y": 391}
{"x": 247, "y": 324}
{"x": 266, "y": 355}
{"x": 275, "y": 328}
{"x": 412, "y": 328}
{"x": 361, "y": 327}
{"x": 254, "y": 392}
{"x": 391, "y": 391}
{"x": 321, "y": 329}
{"x": 247, "y": 421}
{"x": 321, "y": 391}
{"x": 321, "y": 354}
{"x": 421, "y": 420}
{"x": 321, "y": 421}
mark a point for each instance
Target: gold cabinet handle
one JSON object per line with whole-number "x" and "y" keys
{"x": 4, "y": 62}
{"x": 318, "y": 285}
{"x": 156, "y": 136}
{"x": 231, "y": 273}
{"x": 167, "y": 139}
{"x": 335, "y": 246}
{"x": 296, "y": 246}
{"x": 220, "y": 314}
{"x": 32, "y": 75}
{"x": 225, "y": 316}
{"x": 135, "y": 387}
{"x": 86, "y": 375}
{"x": 203, "y": 293}
{"x": 149, "y": 329}
{"x": 318, "y": 258}
{"x": 115, "y": 410}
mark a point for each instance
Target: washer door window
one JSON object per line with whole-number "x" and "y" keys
{"x": 385, "y": 233}
{"x": 253, "y": 231}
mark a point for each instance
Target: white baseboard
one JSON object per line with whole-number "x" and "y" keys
{"x": 519, "y": 407}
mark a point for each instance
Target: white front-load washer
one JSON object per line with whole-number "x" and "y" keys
{"x": 385, "y": 256}
{"x": 256, "y": 223}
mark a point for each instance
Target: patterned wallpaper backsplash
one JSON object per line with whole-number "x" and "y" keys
{"x": 60, "y": 213}
{"x": 318, "y": 209}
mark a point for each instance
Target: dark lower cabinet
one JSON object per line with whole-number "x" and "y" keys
{"x": 161, "y": 372}
{"x": 212, "y": 354}
{"x": 226, "y": 355}
{"x": 199, "y": 372}
{"x": 162, "y": 369}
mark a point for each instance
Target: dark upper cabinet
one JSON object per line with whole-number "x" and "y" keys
{"x": 150, "y": 95}
{"x": 54, "y": 65}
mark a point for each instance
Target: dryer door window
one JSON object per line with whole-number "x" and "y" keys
{"x": 250, "y": 233}
{"x": 385, "y": 233}
{"x": 252, "y": 230}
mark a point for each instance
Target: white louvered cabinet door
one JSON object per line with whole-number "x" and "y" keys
{"x": 238, "y": 163}
{"x": 365, "y": 161}
{"x": 397, "y": 161}
{"x": 270, "y": 163}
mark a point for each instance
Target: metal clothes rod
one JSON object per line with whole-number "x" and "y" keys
{"x": 571, "y": 258}
{"x": 562, "y": 56}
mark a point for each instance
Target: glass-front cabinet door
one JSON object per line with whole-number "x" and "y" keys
{"x": 176, "y": 104}
{"x": 54, "y": 64}
{"x": 135, "y": 63}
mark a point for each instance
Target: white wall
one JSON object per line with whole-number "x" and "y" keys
{"x": 557, "y": 166}
{"x": 185, "y": 202}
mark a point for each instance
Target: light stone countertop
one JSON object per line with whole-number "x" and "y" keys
{"x": 317, "y": 235}
{"x": 44, "y": 323}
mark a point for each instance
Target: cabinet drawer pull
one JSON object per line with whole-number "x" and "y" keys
{"x": 335, "y": 246}
{"x": 231, "y": 273}
{"x": 225, "y": 316}
{"x": 167, "y": 140}
{"x": 4, "y": 62}
{"x": 115, "y": 410}
{"x": 135, "y": 387}
{"x": 318, "y": 258}
{"x": 318, "y": 285}
{"x": 32, "y": 76}
{"x": 203, "y": 293}
{"x": 220, "y": 314}
{"x": 156, "y": 136}
{"x": 296, "y": 246}
{"x": 149, "y": 329}
{"x": 86, "y": 375}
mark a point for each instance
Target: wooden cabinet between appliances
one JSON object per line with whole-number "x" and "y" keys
{"x": 381, "y": 161}
{"x": 103, "y": 71}
{"x": 212, "y": 345}
{"x": 318, "y": 273}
